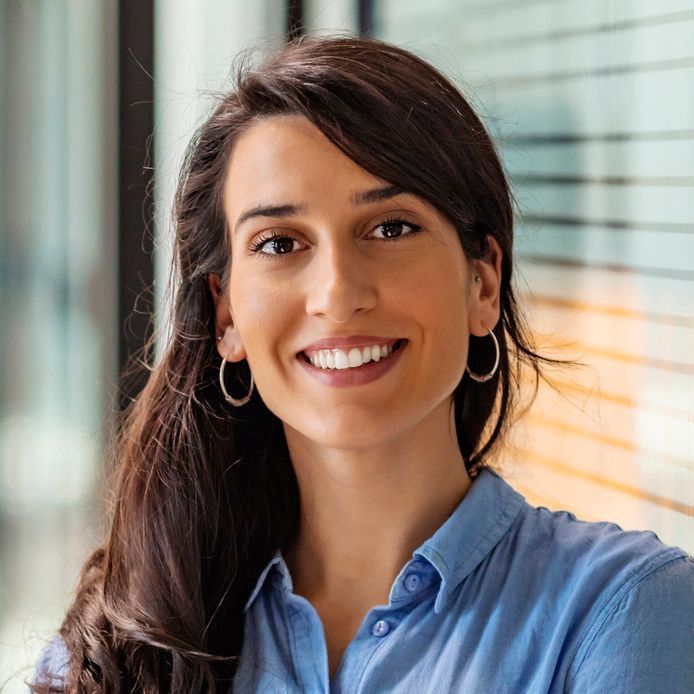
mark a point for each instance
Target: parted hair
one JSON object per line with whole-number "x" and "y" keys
{"x": 204, "y": 493}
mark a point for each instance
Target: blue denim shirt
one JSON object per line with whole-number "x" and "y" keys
{"x": 504, "y": 597}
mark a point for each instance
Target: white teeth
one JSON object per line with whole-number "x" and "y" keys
{"x": 339, "y": 359}
{"x": 355, "y": 357}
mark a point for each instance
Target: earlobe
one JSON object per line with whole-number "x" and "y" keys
{"x": 230, "y": 345}
{"x": 228, "y": 340}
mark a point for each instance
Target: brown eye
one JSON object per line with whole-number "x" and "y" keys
{"x": 273, "y": 245}
{"x": 393, "y": 229}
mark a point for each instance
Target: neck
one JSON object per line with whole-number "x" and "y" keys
{"x": 364, "y": 512}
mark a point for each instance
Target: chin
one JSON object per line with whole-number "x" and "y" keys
{"x": 346, "y": 433}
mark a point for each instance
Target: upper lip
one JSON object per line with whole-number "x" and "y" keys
{"x": 347, "y": 342}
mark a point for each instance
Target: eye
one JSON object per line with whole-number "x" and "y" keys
{"x": 393, "y": 229}
{"x": 273, "y": 244}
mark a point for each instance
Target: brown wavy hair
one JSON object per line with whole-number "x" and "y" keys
{"x": 203, "y": 494}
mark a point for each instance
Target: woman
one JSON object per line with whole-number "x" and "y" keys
{"x": 304, "y": 480}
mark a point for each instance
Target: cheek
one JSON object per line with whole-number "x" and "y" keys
{"x": 254, "y": 302}
{"x": 450, "y": 332}
{"x": 440, "y": 283}
{"x": 265, "y": 313}
{"x": 249, "y": 300}
{"x": 440, "y": 300}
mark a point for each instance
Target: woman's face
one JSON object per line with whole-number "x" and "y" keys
{"x": 344, "y": 264}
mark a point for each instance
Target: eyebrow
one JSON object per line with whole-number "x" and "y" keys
{"x": 363, "y": 197}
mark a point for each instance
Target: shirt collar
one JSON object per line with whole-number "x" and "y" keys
{"x": 459, "y": 545}
{"x": 277, "y": 560}
{"x": 470, "y": 533}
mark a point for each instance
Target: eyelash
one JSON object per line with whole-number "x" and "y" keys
{"x": 259, "y": 243}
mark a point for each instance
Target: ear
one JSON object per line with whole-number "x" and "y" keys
{"x": 485, "y": 294}
{"x": 230, "y": 345}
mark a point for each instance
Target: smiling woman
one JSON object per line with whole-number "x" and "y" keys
{"x": 304, "y": 499}
{"x": 341, "y": 280}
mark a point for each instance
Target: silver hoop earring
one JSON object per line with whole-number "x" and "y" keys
{"x": 227, "y": 397}
{"x": 483, "y": 378}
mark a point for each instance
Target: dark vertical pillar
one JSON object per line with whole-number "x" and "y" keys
{"x": 366, "y": 17}
{"x": 136, "y": 157}
{"x": 295, "y": 19}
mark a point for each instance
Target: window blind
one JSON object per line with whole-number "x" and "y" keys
{"x": 591, "y": 104}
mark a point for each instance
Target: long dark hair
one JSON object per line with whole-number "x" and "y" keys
{"x": 203, "y": 494}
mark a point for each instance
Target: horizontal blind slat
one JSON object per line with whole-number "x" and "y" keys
{"x": 587, "y": 52}
{"x": 569, "y": 106}
{"x": 497, "y": 21}
{"x": 609, "y": 425}
{"x": 663, "y": 204}
{"x": 629, "y": 249}
{"x": 637, "y": 293}
{"x": 639, "y": 159}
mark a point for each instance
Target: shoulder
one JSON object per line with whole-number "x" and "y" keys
{"x": 52, "y": 666}
{"x": 624, "y": 600}
{"x": 582, "y": 566}
{"x": 558, "y": 559}
{"x": 641, "y": 639}
{"x": 599, "y": 551}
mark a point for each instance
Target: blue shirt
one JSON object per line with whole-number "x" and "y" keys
{"x": 504, "y": 597}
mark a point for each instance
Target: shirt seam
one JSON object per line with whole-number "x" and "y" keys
{"x": 621, "y": 593}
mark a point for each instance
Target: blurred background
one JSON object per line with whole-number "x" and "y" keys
{"x": 591, "y": 103}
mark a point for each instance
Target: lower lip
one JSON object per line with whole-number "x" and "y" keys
{"x": 357, "y": 376}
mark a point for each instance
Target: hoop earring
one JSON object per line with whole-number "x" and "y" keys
{"x": 227, "y": 397}
{"x": 483, "y": 378}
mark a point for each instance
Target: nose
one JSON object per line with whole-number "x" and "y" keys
{"x": 340, "y": 283}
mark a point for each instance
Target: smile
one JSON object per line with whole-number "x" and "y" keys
{"x": 351, "y": 358}
{"x": 342, "y": 376}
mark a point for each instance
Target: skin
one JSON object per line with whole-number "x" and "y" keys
{"x": 378, "y": 465}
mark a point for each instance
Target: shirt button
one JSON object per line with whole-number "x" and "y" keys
{"x": 380, "y": 628}
{"x": 412, "y": 582}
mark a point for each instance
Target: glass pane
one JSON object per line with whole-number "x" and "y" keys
{"x": 57, "y": 308}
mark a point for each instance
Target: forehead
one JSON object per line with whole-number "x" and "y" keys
{"x": 284, "y": 157}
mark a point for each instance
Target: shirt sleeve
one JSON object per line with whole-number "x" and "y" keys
{"x": 643, "y": 642}
{"x": 52, "y": 666}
